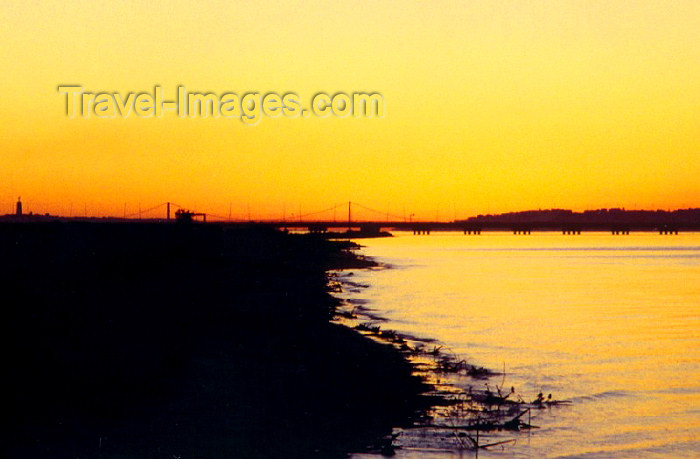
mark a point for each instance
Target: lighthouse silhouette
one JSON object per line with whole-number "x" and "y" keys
{"x": 18, "y": 210}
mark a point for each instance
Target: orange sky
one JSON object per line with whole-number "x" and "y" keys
{"x": 489, "y": 106}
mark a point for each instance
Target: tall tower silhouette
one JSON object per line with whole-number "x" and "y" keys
{"x": 18, "y": 209}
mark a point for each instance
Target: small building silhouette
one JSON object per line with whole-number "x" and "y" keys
{"x": 185, "y": 216}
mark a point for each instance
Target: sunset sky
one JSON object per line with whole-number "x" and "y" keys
{"x": 489, "y": 106}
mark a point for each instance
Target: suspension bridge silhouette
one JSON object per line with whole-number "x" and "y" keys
{"x": 312, "y": 221}
{"x": 317, "y": 221}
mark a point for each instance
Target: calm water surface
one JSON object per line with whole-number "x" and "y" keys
{"x": 611, "y": 323}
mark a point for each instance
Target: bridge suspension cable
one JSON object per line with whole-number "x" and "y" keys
{"x": 308, "y": 214}
{"x": 218, "y": 217}
{"x": 377, "y": 211}
{"x": 141, "y": 212}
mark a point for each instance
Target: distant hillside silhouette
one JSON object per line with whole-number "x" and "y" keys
{"x": 604, "y": 219}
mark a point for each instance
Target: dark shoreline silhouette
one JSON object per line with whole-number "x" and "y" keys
{"x": 617, "y": 221}
{"x": 166, "y": 340}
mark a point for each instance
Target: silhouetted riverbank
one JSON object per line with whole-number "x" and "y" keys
{"x": 166, "y": 340}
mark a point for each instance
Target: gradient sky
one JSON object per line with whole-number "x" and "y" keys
{"x": 489, "y": 106}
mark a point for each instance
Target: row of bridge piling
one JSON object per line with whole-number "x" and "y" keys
{"x": 374, "y": 229}
{"x": 569, "y": 231}
{"x": 577, "y": 231}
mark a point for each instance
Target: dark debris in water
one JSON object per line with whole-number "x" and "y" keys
{"x": 458, "y": 418}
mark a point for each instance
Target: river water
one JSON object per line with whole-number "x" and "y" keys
{"x": 609, "y": 322}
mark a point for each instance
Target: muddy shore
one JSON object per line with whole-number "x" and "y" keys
{"x": 166, "y": 340}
